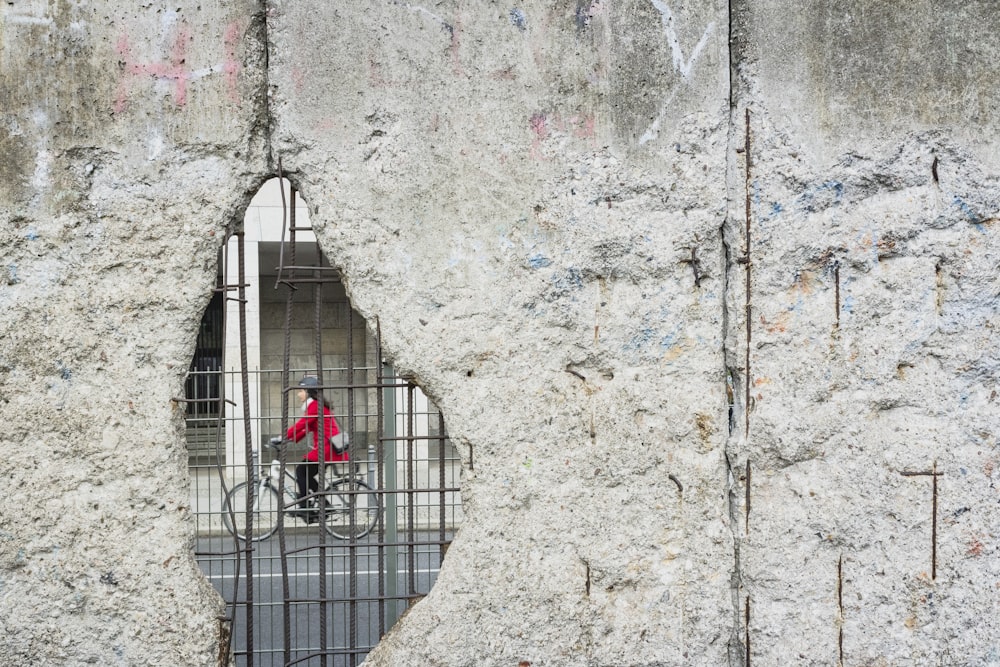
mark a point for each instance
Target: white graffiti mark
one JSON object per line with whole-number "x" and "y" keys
{"x": 24, "y": 19}
{"x": 154, "y": 145}
{"x": 43, "y": 166}
{"x": 681, "y": 66}
{"x": 40, "y": 179}
{"x": 423, "y": 10}
{"x": 654, "y": 130}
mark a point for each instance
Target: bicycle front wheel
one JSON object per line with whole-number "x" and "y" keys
{"x": 264, "y": 505}
{"x": 352, "y": 509}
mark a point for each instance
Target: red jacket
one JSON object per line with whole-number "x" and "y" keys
{"x": 310, "y": 424}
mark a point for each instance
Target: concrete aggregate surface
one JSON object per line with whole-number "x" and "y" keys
{"x": 707, "y": 293}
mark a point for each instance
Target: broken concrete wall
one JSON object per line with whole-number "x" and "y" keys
{"x": 517, "y": 196}
{"x": 583, "y": 253}
{"x": 130, "y": 140}
{"x": 865, "y": 202}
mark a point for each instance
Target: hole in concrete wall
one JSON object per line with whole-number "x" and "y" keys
{"x": 391, "y": 509}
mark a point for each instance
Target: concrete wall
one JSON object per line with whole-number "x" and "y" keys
{"x": 733, "y": 309}
{"x": 872, "y": 201}
{"x": 130, "y": 139}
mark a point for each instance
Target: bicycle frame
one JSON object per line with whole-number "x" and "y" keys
{"x": 346, "y": 507}
{"x": 274, "y": 472}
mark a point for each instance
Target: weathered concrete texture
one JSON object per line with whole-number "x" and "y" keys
{"x": 127, "y": 146}
{"x": 873, "y": 248}
{"x": 553, "y": 214}
{"x": 517, "y": 195}
{"x": 848, "y": 76}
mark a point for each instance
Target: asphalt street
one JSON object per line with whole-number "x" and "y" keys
{"x": 352, "y": 607}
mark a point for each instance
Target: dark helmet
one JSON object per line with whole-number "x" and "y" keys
{"x": 309, "y": 382}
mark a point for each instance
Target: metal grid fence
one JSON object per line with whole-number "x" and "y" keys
{"x": 319, "y": 593}
{"x": 313, "y": 598}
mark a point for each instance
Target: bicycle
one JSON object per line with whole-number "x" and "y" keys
{"x": 351, "y": 508}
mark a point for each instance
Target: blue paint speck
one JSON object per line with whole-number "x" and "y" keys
{"x": 966, "y": 209}
{"x": 12, "y": 277}
{"x": 640, "y": 340}
{"x": 518, "y": 19}
{"x": 64, "y": 372}
{"x": 31, "y": 234}
{"x": 848, "y": 304}
{"x": 539, "y": 262}
{"x": 571, "y": 280}
{"x": 808, "y": 199}
{"x": 668, "y": 341}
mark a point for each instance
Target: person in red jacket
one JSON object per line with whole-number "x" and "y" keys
{"x": 306, "y": 473}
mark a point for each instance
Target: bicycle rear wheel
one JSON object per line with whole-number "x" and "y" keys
{"x": 352, "y": 509}
{"x": 264, "y": 505}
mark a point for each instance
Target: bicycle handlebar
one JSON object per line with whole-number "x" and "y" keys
{"x": 276, "y": 442}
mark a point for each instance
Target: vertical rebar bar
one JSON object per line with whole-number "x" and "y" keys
{"x": 411, "y": 555}
{"x": 352, "y": 545}
{"x": 746, "y": 636}
{"x": 747, "y": 506}
{"x": 289, "y": 217}
{"x": 836, "y": 293}
{"x": 840, "y": 611}
{"x": 247, "y": 436}
{"x": 747, "y": 239}
{"x": 380, "y": 474}
{"x": 320, "y": 446}
{"x": 441, "y": 485}
{"x": 934, "y": 513}
{"x": 219, "y": 426}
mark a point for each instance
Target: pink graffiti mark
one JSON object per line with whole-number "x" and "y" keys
{"x": 325, "y": 125}
{"x": 504, "y": 74}
{"x": 375, "y": 77}
{"x": 543, "y": 126}
{"x": 539, "y": 123}
{"x": 175, "y": 69}
{"x": 231, "y": 66}
{"x": 453, "y": 49}
{"x": 584, "y": 127}
{"x": 298, "y": 79}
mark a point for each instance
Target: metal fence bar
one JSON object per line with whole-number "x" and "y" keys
{"x": 320, "y": 448}
{"x": 411, "y": 496}
{"x": 231, "y": 609}
{"x": 389, "y": 522}
{"x": 352, "y": 546}
{"x": 248, "y": 444}
{"x": 442, "y": 485}
{"x": 286, "y": 616}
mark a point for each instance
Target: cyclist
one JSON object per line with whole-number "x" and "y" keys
{"x": 307, "y": 472}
